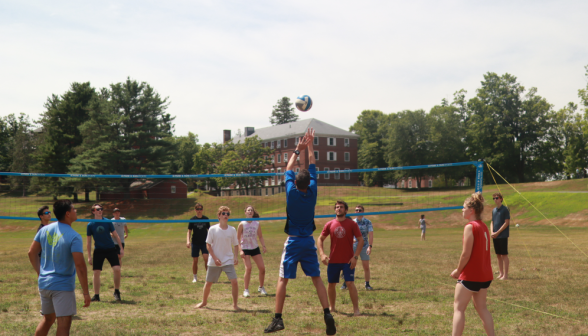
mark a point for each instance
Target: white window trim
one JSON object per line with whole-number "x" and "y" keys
{"x": 347, "y": 174}
{"x": 315, "y": 141}
{"x": 273, "y": 178}
{"x": 346, "y": 142}
{"x": 266, "y": 180}
{"x": 285, "y": 143}
{"x": 347, "y": 156}
{"x": 337, "y": 173}
{"x": 285, "y": 157}
{"x": 327, "y": 175}
{"x": 279, "y": 144}
{"x": 272, "y": 158}
{"x": 329, "y": 156}
{"x": 173, "y": 189}
{"x": 410, "y": 184}
{"x": 317, "y": 175}
{"x": 430, "y": 183}
{"x": 296, "y": 141}
{"x": 279, "y": 172}
{"x": 279, "y": 158}
{"x": 272, "y": 145}
{"x": 334, "y": 141}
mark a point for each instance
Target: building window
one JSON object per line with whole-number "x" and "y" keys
{"x": 315, "y": 141}
{"x": 296, "y": 141}
{"x": 266, "y": 144}
{"x": 272, "y": 158}
{"x": 297, "y": 170}
{"x": 331, "y": 156}
{"x": 337, "y": 174}
{"x": 298, "y": 158}
{"x": 267, "y": 180}
{"x": 332, "y": 142}
{"x": 173, "y": 189}
{"x": 273, "y": 178}
{"x": 430, "y": 183}
{"x": 285, "y": 157}
{"x": 316, "y": 155}
{"x": 272, "y": 145}
{"x": 347, "y": 174}
{"x": 279, "y": 158}
{"x": 317, "y": 175}
{"x": 327, "y": 173}
{"x": 346, "y": 142}
{"x": 279, "y": 144}
{"x": 347, "y": 157}
{"x": 285, "y": 143}
{"x": 279, "y": 176}
{"x": 410, "y": 183}
{"x": 402, "y": 184}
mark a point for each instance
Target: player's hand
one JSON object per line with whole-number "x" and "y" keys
{"x": 188, "y": 245}
{"x": 494, "y": 235}
{"x": 369, "y": 251}
{"x": 310, "y": 135}
{"x": 126, "y": 235}
{"x": 455, "y": 274}
{"x": 236, "y": 260}
{"x": 352, "y": 262}
{"x": 87, "y": 300}
{"x": 217, "y": 262}
{"x": 122, "y": 252}
{"x": 90, "y": 260}
{"x": 264, "y": 250}
{"x": 242, "y": 254}
{"x": 325, "y": 259}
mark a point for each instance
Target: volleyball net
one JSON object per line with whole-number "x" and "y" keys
{"x": 171, "y": 198}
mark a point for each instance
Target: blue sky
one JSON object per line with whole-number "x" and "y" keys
{"x": 224, "y": 64}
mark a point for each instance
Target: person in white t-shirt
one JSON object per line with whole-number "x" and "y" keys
{"x": 222, "y": 248}
{"x": 247, "y": 234}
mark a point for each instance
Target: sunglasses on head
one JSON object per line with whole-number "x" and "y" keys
{"x": 495, "y": 198}
{"x": 47, "y": 213}
{"x": 225, "y": 213}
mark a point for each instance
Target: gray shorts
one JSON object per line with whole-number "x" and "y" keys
{"x": 214, "y": 272}
{"x": 423, "y": 229}
{"x": 363, "y": 254}
{"x": 61, "y": 303}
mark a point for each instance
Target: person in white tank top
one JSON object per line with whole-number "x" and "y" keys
{"x": 247, "y": 234}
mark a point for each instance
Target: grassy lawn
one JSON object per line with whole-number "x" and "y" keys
{"x": 413, "y": 291}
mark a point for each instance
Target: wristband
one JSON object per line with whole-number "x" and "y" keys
{"x": 297, "y": 152}
{"x": 370, "y": 245}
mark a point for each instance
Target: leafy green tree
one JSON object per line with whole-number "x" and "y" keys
{"x": 283, "y": 112}
{"x": 207, "y": 161}
{"x": 11, "y": 127}
{"x": 183, "y": 162}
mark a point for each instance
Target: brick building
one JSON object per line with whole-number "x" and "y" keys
{"x": 335, "y": 150}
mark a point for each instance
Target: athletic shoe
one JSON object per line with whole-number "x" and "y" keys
{"x": 368, "y": 287}
{"x": 262, "y": 291}
{"x": 95, "y": 298}
{"x": 344, "y": 286}
{"x": 194, "y": 280}
{"x": 330, "y": 322}
{"x": 246, "y": 293}
{"x": 117, "y": 296}
{"x": 276, "y": 325}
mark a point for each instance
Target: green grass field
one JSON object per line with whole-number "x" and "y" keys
{"x": 413, "y": 291}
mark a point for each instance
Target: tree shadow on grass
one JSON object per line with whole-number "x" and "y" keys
{"x": 363, "y": 313}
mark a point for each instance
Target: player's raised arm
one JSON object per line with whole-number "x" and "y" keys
{"x": 310, "y": 136}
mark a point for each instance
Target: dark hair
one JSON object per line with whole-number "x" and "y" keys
{"x": 342, "y": 202}
{"x": 95, "y": 205}
{"x": 303, "y": 179}
{"x": 41, "y": 210}
{"x": 422, "y": 216}
{"x": 497, "y": 194}
{"x": 476, "y": 202}
{"x": 360, "y": 206}
{"x": 255, "y": 214}
{"x": 61, "y": 207}
{"x": 198, "y": 205}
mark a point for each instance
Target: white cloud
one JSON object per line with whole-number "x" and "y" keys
{"x": 225, "y": 64}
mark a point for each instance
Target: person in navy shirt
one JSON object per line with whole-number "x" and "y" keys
{"x": 103, "y": 249}
{"x": 300, "y": 247}
{"x": 62, "y": 256}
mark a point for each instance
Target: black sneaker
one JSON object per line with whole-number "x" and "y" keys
{"x": 95, "y": 298}
{"x": 117, "y": 296}
{"x": 330, "y": 322}
{"x": 368, "y": 287}
{"x": 276, "y": 325}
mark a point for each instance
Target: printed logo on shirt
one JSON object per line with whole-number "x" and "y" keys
{"x": 340, "y": 232}
{"x": 53, "y": 239}
{"x": 100, "y": 229}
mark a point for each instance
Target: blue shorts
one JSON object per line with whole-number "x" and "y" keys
{"x": 303, "y": 250}
{"x": 197, "y": 248}
{"x": 334, "y": 272}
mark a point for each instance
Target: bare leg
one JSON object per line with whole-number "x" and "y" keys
{"x": 281, "y": 294}
{"x": 460, "y": 302}
{"x": 332, "y": 296}
{"x": 235, "y": 288}
{"x": 63, "y": 325}
{"x": 423, "y": 236}
{"x": 506, "y": 263}
{"x": 500, "y": 265}
{"x": 366, "y": 269}
{"x": 195, "y": 265}
{"x": 205, "y": 256}
{"x": 116, "y": 273}
{"x": 120, "y": 260}
{"x": 321, "y": 291}
{"x": 260, "y": 265}
{"x": 485, "y": 315}
{"x": 45, "y": 325}
{"x": 205, "y": 294}
{"x": 97, "y": 281}
{"x": 247, "y": 276}
{"x": 354, "y": 297}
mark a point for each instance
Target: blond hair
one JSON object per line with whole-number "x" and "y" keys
{"x": 476, "y": 202}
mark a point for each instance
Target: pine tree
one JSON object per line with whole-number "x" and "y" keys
{"x": 283, "y": 112}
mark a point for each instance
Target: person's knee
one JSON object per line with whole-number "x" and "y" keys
{"x": 262, "y": 269}
{"x": 234, "y": 282}
{"x": 116, "y": 269}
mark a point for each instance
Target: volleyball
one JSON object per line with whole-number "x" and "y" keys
{"x": 303, "y": 103}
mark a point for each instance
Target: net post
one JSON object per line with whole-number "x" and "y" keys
{"x": 479, "y": 175}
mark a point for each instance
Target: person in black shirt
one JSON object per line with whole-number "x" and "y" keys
{"x": 44, "y": 215}
{"x": 198, "y": 242}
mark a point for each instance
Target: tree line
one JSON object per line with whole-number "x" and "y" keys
{"x": 515, "y": 130}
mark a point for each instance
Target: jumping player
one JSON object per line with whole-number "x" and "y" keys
{"x": 103, "y": 249}
{"x": 247, "y": 234}
{"x": 342, "y": 257}
{"x": 474, "y": 271}
{"x": 301, "y": 193}
{"x": 198, "y": 242}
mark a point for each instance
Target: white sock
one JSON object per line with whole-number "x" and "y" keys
{"x": 194, "y": 276}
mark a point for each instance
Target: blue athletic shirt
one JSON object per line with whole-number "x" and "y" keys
{"x": 301, "y": 204}
{"x": 101, "y": 232}
{"x": 58, "y": 242}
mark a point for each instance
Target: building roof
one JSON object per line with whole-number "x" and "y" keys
{"x": 298, "y": 128}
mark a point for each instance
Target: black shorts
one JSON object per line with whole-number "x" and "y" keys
{"x": 501, "y": 246}
{"x": 118, "y": 248}
{"x": 197, "y": 248}
{"x": 100, "y": 255}
{"x": 474, "y": 286}
{"x": 253, "y": 252}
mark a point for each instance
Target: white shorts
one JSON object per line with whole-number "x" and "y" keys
{"x": 61, "y": 303}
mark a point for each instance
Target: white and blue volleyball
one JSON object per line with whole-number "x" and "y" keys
{"x": 303, "y": 103}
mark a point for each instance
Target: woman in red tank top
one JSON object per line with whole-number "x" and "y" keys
{"x": 474, "y": 272}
